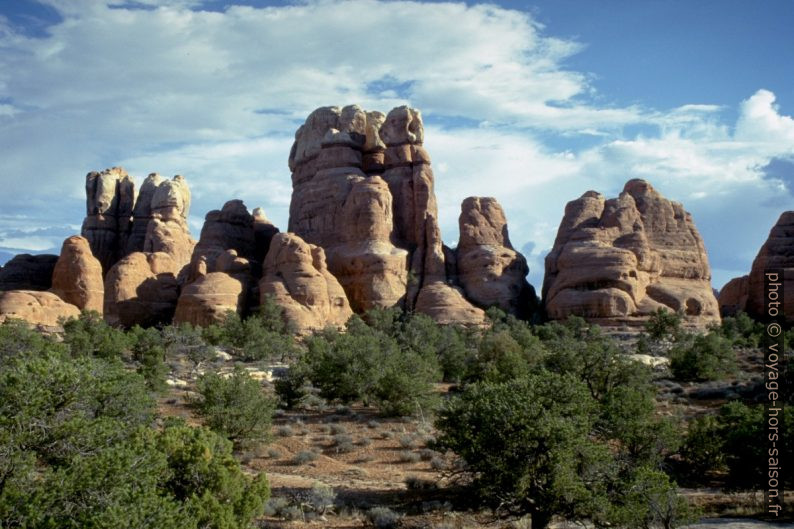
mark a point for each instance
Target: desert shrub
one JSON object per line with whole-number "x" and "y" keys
{"x": 500, "y": 358}
{"x": 186, "y": 340}
{"x": 383, "y": 518}
{"x": 321, "y": 498}
{"x": 90, "y": 335}
{"x": 663, "y": 324}
{"x": 527, "y": 444}
{"x": 417, "y": 483}
{"x": 234, "y": 406}
{"x": 649, "y": 499}
{"x": 365, "y": 364}
{"x": 18, "y": 338}
{"x": 702, "y": 357}
{"x": 702, "y": 449}
{"x": 305, "y": 456}
{"x": 94, "y": 459}
{"x": 741, "y": 330}
{"x": 284, "y": 431}
{"x": 406, "y": 440}
{"x": 273, "y": 453}
{"x": 252, "y": 338}
{"x": 148, "y": 352}
{"x": 406, "y": 456}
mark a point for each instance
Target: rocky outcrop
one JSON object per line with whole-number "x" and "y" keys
{"x": 142, "y": 213}
{"x": 296, "y": 277}
{"x": 363, "y": 191}
{"x": 77, "y": 278}
{"x": 230, "y": 228}
{"x": 746, "y": 293}
{"x": 213, "y": 294}
{"x": 42, "y": 309}
{"x": 28, "y": 272}
{"x": 142, "y": 289}
{"x": 167, "y": 230}
{"x": 110, "y": 198}
{"x": 264, "y": 230}
{"x": 490, "y": 271}
{"x": 615, "y": 261}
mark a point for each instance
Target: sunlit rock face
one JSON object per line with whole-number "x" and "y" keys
{"x": 616, "y": 261}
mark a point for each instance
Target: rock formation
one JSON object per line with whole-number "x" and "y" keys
{"x": 363, "y": 191}
{"x": 167, "y": 230}
{"x": 142, "y": 289}
{"x": 110, "y": 198}
{"x": 43, "y": 309}
{"x": 490, "y": 271}
{"x": 77, "y": 278}
{"x": 746, "y": 293}
{"x": 615, "y": 261}
{"x": 228, "y": 287}
{"x": 142, "y": 213}
{"x": 296, "y": 277}
{"x": 28, "y": 272}
{"x": 230, "y": 228}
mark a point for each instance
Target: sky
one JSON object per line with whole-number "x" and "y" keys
{"x": 532, "y": 102}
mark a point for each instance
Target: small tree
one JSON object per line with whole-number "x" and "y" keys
{"x": 90, "y": 335}
{"x": 663, "y": 324}
{"x": 235, "y": 406}
{"x": 526, "y": 443}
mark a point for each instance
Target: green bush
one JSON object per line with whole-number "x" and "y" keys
{"x": 93, "y": 458}
{"x": 663, "y": 324}
{"x": 90, "y": 335}
{"x": 527, "y": 444}
{"x": 741, "y": 330}
{"x": 649, "y": 499}
{"x": 19, "y": 339}
{"x": 702, "y": 357}
{"x": 501, "y": 358}
{"x": 253, "y": 338}
{"x": 702, "y": 449}
{"x": 148, "y": 352}
{"x": 186, "y": 340}
{"x": 235, "y": 406}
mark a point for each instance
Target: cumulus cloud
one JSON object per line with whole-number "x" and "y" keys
{"x": 162, "y": 85}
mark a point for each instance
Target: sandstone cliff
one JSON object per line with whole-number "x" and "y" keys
{"x": 77, "y": 277}
{"x": 615, "y": 261}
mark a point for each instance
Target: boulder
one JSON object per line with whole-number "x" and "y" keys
{"x": 77, "y": 278}
{"x": 296, "y": 277}
{"x": 110, "y": 196}
{"x": 212, "y": 295}
{"x": 142, "y": 289}
{"x": 42, "y": 309}
{"x": 616, "y": 261}
{"x": 490, "y": 270}
{"x": 28, "y": 272}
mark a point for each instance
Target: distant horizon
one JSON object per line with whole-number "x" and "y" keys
{"x": 532, "y": 103}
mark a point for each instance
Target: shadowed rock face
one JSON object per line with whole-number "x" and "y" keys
{"x": 77, "y": 278}
{"x": 746, "y": 293}
{"x": 615, "y": 261}
{"x": 110, "y": 196}
{"x": 142, "y": 289}
{"x": 490, "y": 270}
{"x": 296, "y": 277}
{"x": 28, "y": 272}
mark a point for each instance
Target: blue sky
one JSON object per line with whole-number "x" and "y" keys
{"x": 531, "y": 102}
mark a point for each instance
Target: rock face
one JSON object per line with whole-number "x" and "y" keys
{"x": 746, "y": 293}
{"x": 77, "y": 278}
{"x": 615, "y": 261}
{"x": 211, "y": 295}
{"x": 490, "y": 271}
{"x": 142, "y": 289}
{"x": 363, "y": 191}
{"x": 110, "y": 198}
{"x": 167, "y": 230}
{"x": 43, "y": 309}
{"x": 28, "y": 272}
{"x": 230, "y": 228}
{"x": 296, "y": 277}
{"x": 142, "y": 213}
